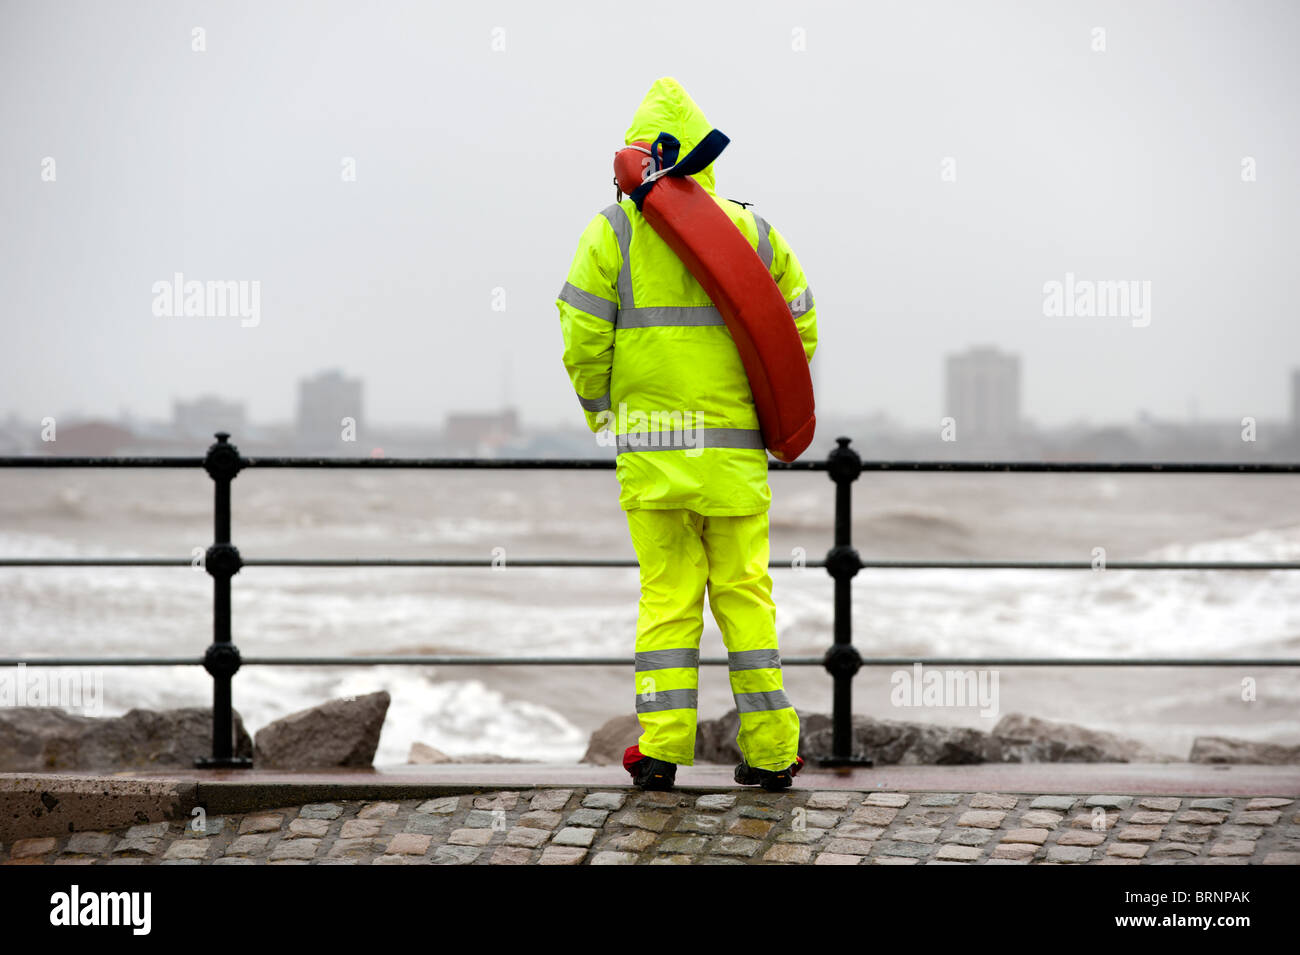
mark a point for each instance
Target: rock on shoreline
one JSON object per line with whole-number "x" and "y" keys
{"x": 1222, "y": 749}
{"x": 47, "y": 738}
{"x": 1016, "y": 738}
{"x": 341, "y": 732}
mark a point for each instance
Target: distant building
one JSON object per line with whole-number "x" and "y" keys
{"x": 324, "y": 402}
{"x": 983, "y": 394}
{"x": 1295, "y": 401}
{"x": 204, "y": 416}
{"x": 482, "y": 432}
{"x": 88, "y": 439}
{"x": 15, "y": 435}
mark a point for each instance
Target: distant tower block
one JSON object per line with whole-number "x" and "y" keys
{"x": 1295, "y": 401}
{"x": 323, "y": 403}
{"x": 983, "y": 394}
{"x": 204, "y": 416}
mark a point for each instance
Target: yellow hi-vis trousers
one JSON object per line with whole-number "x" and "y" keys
{"x": 681, "y": 554}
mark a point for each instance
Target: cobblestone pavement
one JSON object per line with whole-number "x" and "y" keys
{"x": 602, "y": 826}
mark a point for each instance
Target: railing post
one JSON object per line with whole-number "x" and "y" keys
{"x": 222, "y": 562}
{"x": 842, "y": 660}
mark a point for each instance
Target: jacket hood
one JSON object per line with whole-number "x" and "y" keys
{"x": 668, "y": 108}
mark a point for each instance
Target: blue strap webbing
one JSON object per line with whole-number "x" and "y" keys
{"x": 707, "y": 150}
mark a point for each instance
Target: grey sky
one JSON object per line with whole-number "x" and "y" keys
{"x": 478, "y": 169}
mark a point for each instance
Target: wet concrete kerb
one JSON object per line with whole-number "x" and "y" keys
{"x": 47, "y": 804}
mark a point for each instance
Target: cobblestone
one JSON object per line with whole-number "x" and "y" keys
{"x": 827, "y": 800}
{"x": 574, "y": 836}
{"x": 993, "y": 801}
{"x": 551, "y": 800}
{"x": 1015, "y": 850}
{"x": 1201, "y": 816}
{"x": 835, "y": 858}
{"x": 875, "y": 815}
{"x": 602, "y": 827}
{"x": 1041, "y": 819}
{"x": 610, "y": 801}
{"x": 526, "y": 837}
{"x": 940, "y": 799}
{"x": 1160, "y": 803}
{"x": 717, "y": 803}
{"x": 856, "y": 847}
{"x": 1109, "y": 802}
{"x": 587, "y": 817}
{"x": 892, "y": 800}
{"x": 913, "y": 850}
{"x": 1058, "y": 803}
{"x": 982, "y": 818}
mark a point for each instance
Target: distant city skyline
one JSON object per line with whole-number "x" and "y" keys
{"x": 982, "y": 384}
{"x": 285, "y": 407}
{"x": 1117, "y": 210}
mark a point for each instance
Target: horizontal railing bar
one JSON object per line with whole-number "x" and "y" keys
{"x": 631, "y": 562}
{"x": 354, "y": 562}
{"x": 1079, "y": 565}
{"x": 450, "y": 660}
{"x": 785, "y": 661}
{"x": 96, "y": 562}
{"x": 70, "y": 461}
{"x": 605, "y": 464}
{"x": 469, "y": 464}
{"x": 1091, "y": 467}
{"x": 101, "y": 661}
{"x": 559, "y": 464}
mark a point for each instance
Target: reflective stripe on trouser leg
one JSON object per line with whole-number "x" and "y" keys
{"x": 670, "y": 619}
{"x": 740, "y": 596}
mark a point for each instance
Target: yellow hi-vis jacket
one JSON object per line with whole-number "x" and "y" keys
{"x": 652, "y": 362}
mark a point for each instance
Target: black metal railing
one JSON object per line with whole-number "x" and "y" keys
{"x": 222, "y": 560}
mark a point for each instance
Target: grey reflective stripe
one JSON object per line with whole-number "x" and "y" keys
{"x": 754, "y": 660}
{"x": 657, "y": 700}
{"x": 617, "y": 217}
{"x": 586, "y": 302}
{"x": 802, "y": 303}
{"x": 754, "y": 702}
{"x": 764, "y": 243}
{"x": 656, "y": 316}
{"x": 689, "y": 439}
{"x": 595, "y": 404}
{"x": 663, "y": 659}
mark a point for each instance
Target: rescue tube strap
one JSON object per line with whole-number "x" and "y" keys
{"x": 666, "y": 146}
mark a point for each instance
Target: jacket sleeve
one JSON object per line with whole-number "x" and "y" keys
{"x": 588, "y": 305}
{"x": 793, "y": 284}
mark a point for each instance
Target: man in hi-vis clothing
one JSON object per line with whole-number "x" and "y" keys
{"x": 654, "y": 365}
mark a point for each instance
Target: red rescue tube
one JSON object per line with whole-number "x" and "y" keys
{"x": 720, "y": 258}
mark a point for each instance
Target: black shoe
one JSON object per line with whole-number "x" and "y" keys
{"x": 649, "y": 773}
{"x": 771, "y": 780}
{"x": 654, "y": 774}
